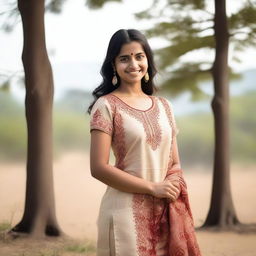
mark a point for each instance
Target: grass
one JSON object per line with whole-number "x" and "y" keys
{"x": 46, "y": 247}
{"x": 49, "y": 254}
{"x": 5, "y": 225}
{"x": 81, "y": 248}
{"x": 50, "y": 248}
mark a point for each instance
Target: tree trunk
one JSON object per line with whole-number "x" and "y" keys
{"x": 39, "y": 218}
{"x": 222, "y": 213}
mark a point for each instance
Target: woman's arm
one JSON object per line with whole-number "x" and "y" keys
{"x": 121, "y": 180}
{"x": 175, "y": 166}
{"x": 175, "y": 155}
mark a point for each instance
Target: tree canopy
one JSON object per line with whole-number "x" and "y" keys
{"x": 187, "y": 26}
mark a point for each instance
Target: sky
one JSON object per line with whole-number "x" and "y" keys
{"x": 77, "y": 41}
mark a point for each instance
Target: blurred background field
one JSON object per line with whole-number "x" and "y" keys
{"x": 195, "y": 121}
{"x": 76, "y": 50}
{"x": 78, "y": 195}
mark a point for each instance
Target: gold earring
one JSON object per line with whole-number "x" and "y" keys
{"x": 114, "y": 79}
{"x": 146, "y": 77}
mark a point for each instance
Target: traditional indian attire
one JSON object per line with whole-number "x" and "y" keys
{"x": 131, "y": 224}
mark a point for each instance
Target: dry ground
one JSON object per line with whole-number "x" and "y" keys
{"x": 78, "y": 197}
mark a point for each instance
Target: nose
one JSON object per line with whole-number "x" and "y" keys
{"x": 133, "y": 64}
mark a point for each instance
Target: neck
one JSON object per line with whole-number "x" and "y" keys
{"x": 130, "y": 89}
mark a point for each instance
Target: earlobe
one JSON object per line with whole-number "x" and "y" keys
{"x": 114, "y": 79}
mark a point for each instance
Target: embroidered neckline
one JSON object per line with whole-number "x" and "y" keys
{"x": 146, "y": 110}
{"x": 148, "y": 118}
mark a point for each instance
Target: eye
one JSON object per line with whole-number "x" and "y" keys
{"x": 124, "y": 59}
{"x": 140, "y": 57}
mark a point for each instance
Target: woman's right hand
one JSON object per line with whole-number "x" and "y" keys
{"x": 166, "y": 189}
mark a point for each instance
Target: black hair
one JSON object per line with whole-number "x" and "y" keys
{"x": 120, "y": 38}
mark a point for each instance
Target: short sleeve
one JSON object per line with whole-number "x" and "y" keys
{"x": 169, "y": 112}
{"x": 101, "y": 116}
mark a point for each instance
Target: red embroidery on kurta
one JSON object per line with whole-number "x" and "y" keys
{"x": 119, "y": 148}
{"x": 118, "y": 143}
{"x": 151, "y": 225}
{"x": 172, "y": 125}
{"x": 164, "y": 228}
{"x": 99, "y": 122}
{"x": 167, "y": 110}
{"x": 149, "y": 119}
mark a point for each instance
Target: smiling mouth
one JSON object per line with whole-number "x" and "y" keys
{"x": 133, "y": 72}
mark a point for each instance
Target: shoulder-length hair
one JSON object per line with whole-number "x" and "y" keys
{"x": 120, "y": 38}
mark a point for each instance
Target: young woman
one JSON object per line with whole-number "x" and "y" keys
{"x": 145, "y": 209}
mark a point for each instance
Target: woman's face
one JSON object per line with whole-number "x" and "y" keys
{"x": 131, "y": 64}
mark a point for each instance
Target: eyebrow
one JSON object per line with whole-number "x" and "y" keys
{"x": 129, "y": 54}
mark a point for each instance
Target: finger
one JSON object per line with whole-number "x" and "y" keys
{"x": 173, "y": 184}
{"x": 173, "y": 195}
{"x": 175, "y": 189}
{"x": 176, "y": 185}
{"x": 172, "y": 191}
{"x": 174, "y": 180}
{"x": 174, "y": 177}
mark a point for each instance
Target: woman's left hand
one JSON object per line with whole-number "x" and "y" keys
{"x": 174, "y": 179}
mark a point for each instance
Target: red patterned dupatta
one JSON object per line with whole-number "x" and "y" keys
{"x": 182, "y": 238}
{"x": 170, "y": 230}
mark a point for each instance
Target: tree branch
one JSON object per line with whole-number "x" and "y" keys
{"x": 204, "y": 29}
{"x": 207, "y": 12}
{"x": 243, "y": 32}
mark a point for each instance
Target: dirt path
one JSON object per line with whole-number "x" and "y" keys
{"x": 78, "y": 197}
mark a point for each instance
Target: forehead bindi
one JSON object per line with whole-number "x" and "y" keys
{"x": 132, "y": 48}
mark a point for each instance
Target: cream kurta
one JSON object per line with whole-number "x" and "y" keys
{"x": 142, "y": 145}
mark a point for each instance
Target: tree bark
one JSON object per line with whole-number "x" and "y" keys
{"x": 39, "y": 218}
{"x": 222, "y": 212}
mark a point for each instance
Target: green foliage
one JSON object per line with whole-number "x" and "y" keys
{"x": 5, "y": 86}
{"x": 46, "y": 247}
{"x": 8, "y": 105}
{"x": 12, "y": 137}
{"x": 180, "y": 47}
{"x": 177, "y": 31}
{"x": 69, "y": 129}
{"x": 81, "y": 248}
{"x": 193, "y": 4}
{"x": 52, "y": 253}
{"x": 186, "y": 77}
{"x": 12, "y": 128}
{"x": 196, "y": 138}
{"x": 243, "y": 23}
{"x": 187, "y": 26}
{"x": 243, "y": 145}
{"x": 245, "y": 17}
{"x": 95, "y": 4}
{"x": 10, "y": 16}
{"x": 54, "y": 6}
{"x": 5, "y": 225}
